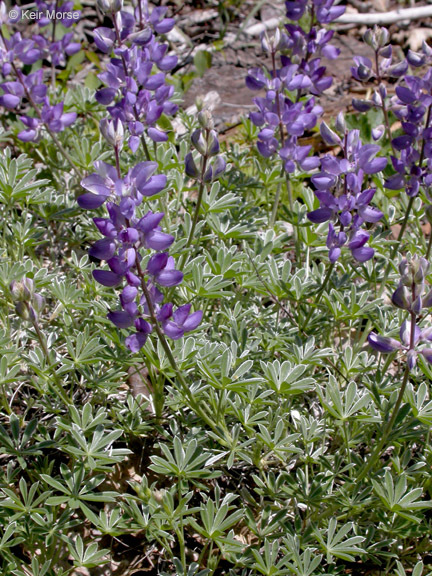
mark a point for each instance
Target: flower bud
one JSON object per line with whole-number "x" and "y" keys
{"x": 112, "y": 131}
{"x": 17, "y": 290}
{"x": 407, "y": 280}
{"x": 364, "y": 73}
{"x": 219, "y": 166}
{"x": 426, "y": 49}
{"x": 38, "y": 302}
{"x": 33, "y": 315}
{"x": 417, "y": 306}
{"x": 213, "y": 143}
{"x": 190, "y": 166}
{"x": 199, "y": 142}
{"x": 340, "y": 123}
{"x": 377, "y": 99}
{"x": 425, "y": 265}
{"x": 382, "y": 36}
{"x": 427, "y": 300}
{"x": 22, "y": 290}
{"x": 205, "y": 119}
{"x": 386, "y": 52}
{"x": 110, "y": 6}
{"x": 400, "y": 298}
{"x": 328, "y": 135}
{"x": 208, "y": 174}
{"x": 370, "y": 39}
{"x": 22, "y": 310}
{"x": 412, "y": 359}
{"x": 361, "y": 105}
{"x": 403, "y": 267}
{"x": 271, "y": 44}
{"x": 398, "y": 70}
{"x": 420, "y": 269}
{"x": 378, "y": 132}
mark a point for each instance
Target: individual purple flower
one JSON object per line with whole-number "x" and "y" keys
{"x": 161, "y": 268}
{"x": 140, "y": 182}
{"x": 176, "y": 324}
{"x": 31, "y": 133}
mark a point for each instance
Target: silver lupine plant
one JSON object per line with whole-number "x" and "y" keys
{"x": 413, "y": 296}
{"x": 273, "y": 441}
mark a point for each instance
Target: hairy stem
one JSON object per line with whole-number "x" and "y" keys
{"x": 319, "y": 294}
{"x": 387, "y": 429}
{"x": 44, "y": 347}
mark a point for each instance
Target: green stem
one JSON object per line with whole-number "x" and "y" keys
{"x": 389, "y": 426}
{"x": 276, "y": 203}
{"x": 44, "y": 347}
{"x": 181, "y": 537}
{"x": 198, "y": 205}
{"x": 319, "y": 294}
{"x": 429, "y": 246}
{"x": 345, "y": 430}
{"x": 387, "y": 429}
{"x": 183, "y": 257}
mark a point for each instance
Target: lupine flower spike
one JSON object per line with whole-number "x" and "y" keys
{"x": 411, "y": 295}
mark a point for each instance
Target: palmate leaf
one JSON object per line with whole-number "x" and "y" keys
{"x": 343, "y": 404}
{"x": 306, "y": 564}
{"x": 216, "y": 518}
{"x": 398, "y": 498}
{"x": 17, "y": 180}
{"x": 87, "y": 557}
{"x": 183, "y": 462}
{"x": 268, "y": 562}
{"x": 286, "y": 378}
{"x": 421, "y": 403}
{"x": 336, "y": 546}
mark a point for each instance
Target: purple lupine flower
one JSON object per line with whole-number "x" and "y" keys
{"x": 63, "y": 11}
{"x": 134, "y": 93}
{"x": 282, "y": 120}
{"x": 339, "y": 189}
{"x": 412, "y": 105}
{"x": 140, "y": 182}
{"x": 161, "y": 268}
{"x": 136, "y": 97}
{"x": 16, "y": 52}
{"x": 31, "y": 134}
